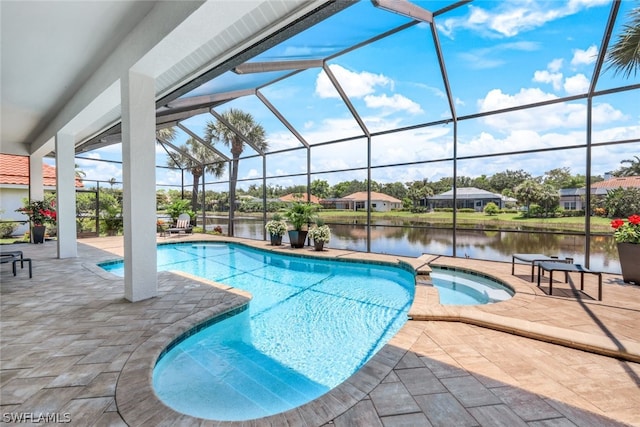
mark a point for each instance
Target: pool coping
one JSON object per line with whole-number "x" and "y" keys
{"x": 138, "y": 404}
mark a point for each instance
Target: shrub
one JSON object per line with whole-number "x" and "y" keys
{"x": 7, "y": 229}
{"x": 491, "y": 209}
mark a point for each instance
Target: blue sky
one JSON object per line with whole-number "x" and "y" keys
{"x": 498, "y": 54}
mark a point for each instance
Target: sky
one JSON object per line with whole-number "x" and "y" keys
{"x": 497, "y": 54}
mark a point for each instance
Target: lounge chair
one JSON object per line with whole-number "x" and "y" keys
{"x": 183, "y": 225}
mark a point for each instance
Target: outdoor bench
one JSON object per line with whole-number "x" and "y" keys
{"x": 568, "y": 268}
{"x": 534, "y": 259}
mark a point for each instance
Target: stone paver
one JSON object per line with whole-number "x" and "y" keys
{"x": 72, "y": 346}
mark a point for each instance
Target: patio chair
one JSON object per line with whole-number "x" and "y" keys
{"x": 183, "y": 225}
{"x": 15, "y": 257}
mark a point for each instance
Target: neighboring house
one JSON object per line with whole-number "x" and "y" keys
{"x": 469, "y": 198}
{"x": 380, "y": 202}
{"x": 14, "y": 186}
{"x": 299, "y": 197}
{"x": 574, "y": 198}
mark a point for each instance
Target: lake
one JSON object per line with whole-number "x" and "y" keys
{"x": 493, "y": 245}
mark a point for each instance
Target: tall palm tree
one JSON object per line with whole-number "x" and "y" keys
{"x": 624, "y": 55}
{"x": 632, "y": 170}
{"x": 245, "y": 124}
{"x": 207, "y": 161}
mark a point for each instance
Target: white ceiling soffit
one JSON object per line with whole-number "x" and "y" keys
{"x": 217, "y": 31}
{"x": 49, "y": 49}
{"x": 61, "y": 60}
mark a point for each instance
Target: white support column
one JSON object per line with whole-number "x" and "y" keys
{"x": 66, "y": 195}
{"x": 36, "y": 180}
{"x": 139, "y": 182}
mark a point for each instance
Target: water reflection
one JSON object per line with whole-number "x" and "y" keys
{"x": 493, "y": 245}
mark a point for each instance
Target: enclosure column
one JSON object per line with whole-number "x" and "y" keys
{"x": 139, "y": 186}
{"x": 36, "y": 180}
{"x": 66, "y": 195}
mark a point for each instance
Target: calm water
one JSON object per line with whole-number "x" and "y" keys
{"x": 480, "y": 244}
{"x": 310, "y": 325}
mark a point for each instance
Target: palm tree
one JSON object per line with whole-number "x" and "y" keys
{"x": 624, "y": 55}
{"x": 632, "y": 170}
{"x": 246, "y": 126}
{"x": 207, "y": 161}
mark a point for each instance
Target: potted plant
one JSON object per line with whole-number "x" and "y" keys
{"x": 627, "y": 236}
{"x": 40, "y": 213}
{"x": 276, "y": 228}
{"x": 299, "y": 215}
{"x": 320, "y": 234}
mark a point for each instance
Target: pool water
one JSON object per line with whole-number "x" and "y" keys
{"x": 310, "y": 325}
{"x": 457, "y": 287}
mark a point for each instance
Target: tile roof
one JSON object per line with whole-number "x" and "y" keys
{"x": 619, "y": 181}
{"x": 362, "y": 196}
{"x": 15, "y": 170}
{"x": 298, "y": 198}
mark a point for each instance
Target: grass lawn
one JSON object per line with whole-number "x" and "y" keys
{"x": 503, "y": 220}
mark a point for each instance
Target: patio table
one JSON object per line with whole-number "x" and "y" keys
{"x": 533, "y": 259}
{"x": 568, "y": 268}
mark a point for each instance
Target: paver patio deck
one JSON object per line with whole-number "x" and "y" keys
{"x": 72, "y": 347}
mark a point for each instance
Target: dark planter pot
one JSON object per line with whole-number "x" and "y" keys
{"x": 297, "y": 238}
{"x": 37, "y": 233}
{"x": 275, "y": 240}
{"x": 318, "y": 245}
{"x": 629, "y": 254}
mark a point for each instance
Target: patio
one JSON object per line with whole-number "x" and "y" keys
{"x": 72, "y": 346}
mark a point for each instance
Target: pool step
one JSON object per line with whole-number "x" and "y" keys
{"x": 260, "y": 384}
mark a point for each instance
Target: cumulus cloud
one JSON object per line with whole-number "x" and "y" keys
{"x": 555, "y": 79}
{"x": 555, "y": 65}
{"x": 576, "y": 84}
{"x": 496, "y": 99}
{"x": 565, "y": 115}
{"x": 584, "y": 57}
{"x": 354, "y": 84}
{"x": 396, "y": 103}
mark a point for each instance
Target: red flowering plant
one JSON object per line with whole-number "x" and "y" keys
{"x": 627, "y": 231}
{"x": 40, "y": 212}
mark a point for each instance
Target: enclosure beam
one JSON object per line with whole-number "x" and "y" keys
{"x": 139, "y": 186}
{"x": 66, "y": 195}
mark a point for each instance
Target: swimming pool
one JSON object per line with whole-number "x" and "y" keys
{"x": 310, "y": 325}
{"x": 457, "y": 287}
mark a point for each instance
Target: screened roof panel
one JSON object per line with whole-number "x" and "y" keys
{"x": 314, "y": 108}
{"x": 520, "y": 51}
{"x": 231, "y": 82}
{"x": 353, "y": 25}
{"x": 405, "y": 89}
{"x": 608, "y": 78}
{"x": 278, "y": 136}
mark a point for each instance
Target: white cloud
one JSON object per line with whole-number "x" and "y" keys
{"x": 584, "y": 57}
{"x": 605, "y": 114}
{"x": 486, "y": 57}
{"x": 396, "y": 103}
{"x": 354, "y": 84}
{"x": 546, "y": 77}
{"x": 496, "y": 100}
{"x": 509, "y": 19}
{"x": 554, "y": 116}
{"x": 555, "y": 65}
{"x": 576, "y": 85}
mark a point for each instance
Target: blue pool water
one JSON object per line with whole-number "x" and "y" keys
{"x": 310, "y": 325}
{"x": 457, "y": 287}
